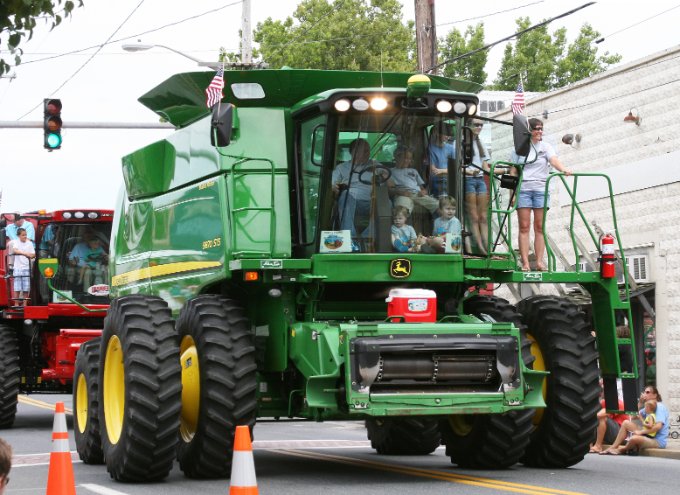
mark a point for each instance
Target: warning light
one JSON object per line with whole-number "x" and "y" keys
{"x": 52, "y": 124}
{"x": 251, "y": 276}
{"x": 49, "y": 273}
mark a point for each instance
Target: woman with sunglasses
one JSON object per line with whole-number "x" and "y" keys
{"x": 638, "y": 439}
{"x": 532, "y": 193}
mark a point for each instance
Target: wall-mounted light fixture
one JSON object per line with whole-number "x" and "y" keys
{"x": 633, "y": 118}
{"x": 571, "y": 139}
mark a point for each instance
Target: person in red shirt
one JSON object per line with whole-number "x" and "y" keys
{"x": 608, "y": 426}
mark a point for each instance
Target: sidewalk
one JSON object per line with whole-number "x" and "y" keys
{"x": 672, "y": 450}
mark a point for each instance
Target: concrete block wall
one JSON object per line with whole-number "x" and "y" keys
{"x": 595, "y": 109}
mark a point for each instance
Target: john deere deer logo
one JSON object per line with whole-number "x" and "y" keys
{"x": 400, "y": 268}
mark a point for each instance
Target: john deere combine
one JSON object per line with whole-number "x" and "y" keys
{"x": 253, "y": 274}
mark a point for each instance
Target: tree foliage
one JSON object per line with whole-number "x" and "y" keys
{"x": 546, "y": 62}
{"x": 18, "y": 20}
{"x": 454, "y": 44}
{"x": 345, "y": 34}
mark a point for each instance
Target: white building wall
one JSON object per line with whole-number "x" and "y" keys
{"x": 644, "y": 162}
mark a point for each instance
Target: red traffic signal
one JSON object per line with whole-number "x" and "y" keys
{"x": 52, "y": 124}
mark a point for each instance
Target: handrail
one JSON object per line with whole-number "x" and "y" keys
{"x": 575, "y": 208}
{"x": 271, "y": 209}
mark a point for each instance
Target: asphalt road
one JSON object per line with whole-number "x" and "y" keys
{"x": 306, "y": 458}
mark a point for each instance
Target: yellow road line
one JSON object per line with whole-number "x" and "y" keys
{"x": 430, "y": 473}
{"x": 29, "y": 401}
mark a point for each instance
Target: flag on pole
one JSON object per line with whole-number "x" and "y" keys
{"x": 214, "y": 90}
{"x": 518, "y": 102}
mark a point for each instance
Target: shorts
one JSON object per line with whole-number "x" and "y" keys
{"x": 22, "y": 280}
{"x": 532, "y": 199}
{"x": 475, "y": 185}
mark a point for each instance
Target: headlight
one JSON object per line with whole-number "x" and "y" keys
{"x": 342, "y": 105}
{"x": 360, "y": 104}
{"x": 444, "y": 106}
{"x": 459, "y": 108}
{"x": 379, "y": 103}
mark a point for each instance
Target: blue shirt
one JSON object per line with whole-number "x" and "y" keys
{"x": 439, "y": 155}
{"x": 662, "y": 416}
{"x": 11, "y": 230}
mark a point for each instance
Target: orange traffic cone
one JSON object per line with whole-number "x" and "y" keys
{"x": 243, "y": 465}
{"x": 60, "y": 478}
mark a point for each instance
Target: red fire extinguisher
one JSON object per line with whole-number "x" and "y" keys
{"x": 607, "y": 256}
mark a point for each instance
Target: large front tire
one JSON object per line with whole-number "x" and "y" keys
{"x": 140, "y": 389}
{"x": 565, "y": 347}
{"x": 86, "y": 403}
{"x": 490, "y": 441}
{"x": 219, "y": 383}
{"x": 10, "y": 375}
{"x": 403, "y": 436}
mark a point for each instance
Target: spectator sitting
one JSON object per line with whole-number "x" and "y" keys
{"x": 447, "y": 223}
{"x": 12, "y": 230}
{"x": 5, "y": 464}
{"x": 86, "y": 261}
{"x": 406, "y": 186}
{"x": 404, "y": 238}
{"x": 650, "y": 419}
{"x": 640, "y": 438}
{"x": 608, "y": 425}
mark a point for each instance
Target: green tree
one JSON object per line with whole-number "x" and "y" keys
{"x": 345, "y": 34}
{"x": 18, "y": 20}
{"x": 454, "y": 44}
{"x": 540, "y": 58}
{"x": 582, "y": 60}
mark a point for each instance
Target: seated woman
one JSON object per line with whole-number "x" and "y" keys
{"x": 406, "y": 187}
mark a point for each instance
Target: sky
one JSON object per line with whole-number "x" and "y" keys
{"x": 103, "y": 86}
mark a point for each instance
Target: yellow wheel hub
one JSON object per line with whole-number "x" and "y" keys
{"x": 461, "y": 424}
{"x": 81, "y": 403}
{"x": 539, "y": 365}
{"x": 191, "y": 388}
{"x": 114, "y": 389}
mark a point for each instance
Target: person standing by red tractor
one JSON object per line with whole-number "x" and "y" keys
{"x": 23, "y": 252}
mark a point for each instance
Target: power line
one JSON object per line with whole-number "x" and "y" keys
{"x": 91, "y": 57}
{"x": 490, "y": 15}
{"x": 600, "y": 40}
{"x": 174, "y": 23}
{"x": 515, "y": 35}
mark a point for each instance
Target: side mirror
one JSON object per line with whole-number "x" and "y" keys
{"x": 221, "y": 124}
{"x": 521, "y": 135}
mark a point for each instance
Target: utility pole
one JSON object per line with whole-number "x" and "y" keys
{"x": 426, "y": 35}
{"x": 246, "y": 34}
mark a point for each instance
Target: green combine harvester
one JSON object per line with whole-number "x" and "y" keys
{"x": 246, "y": 283}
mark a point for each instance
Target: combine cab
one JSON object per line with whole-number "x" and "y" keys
{"x": 40, "y": 333}
{"x": 254, "y": 274}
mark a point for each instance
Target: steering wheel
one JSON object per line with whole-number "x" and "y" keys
{"x": 381, "y": 177}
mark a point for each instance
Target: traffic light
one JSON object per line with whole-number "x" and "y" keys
{"x": 52, "y": 124}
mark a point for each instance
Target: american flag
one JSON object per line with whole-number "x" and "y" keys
{"x": 214, "y": 89}
{"x": 518, "y": 102}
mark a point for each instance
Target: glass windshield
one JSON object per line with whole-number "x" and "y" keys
{"x": 82, "y": 251}
{"x": 389, "y": 184}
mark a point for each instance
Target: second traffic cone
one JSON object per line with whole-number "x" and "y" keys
{"x": 243, "y": 465}
{"x": 60, "y": 477}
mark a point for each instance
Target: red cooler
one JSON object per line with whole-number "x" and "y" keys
{"x": 415, "y": 305}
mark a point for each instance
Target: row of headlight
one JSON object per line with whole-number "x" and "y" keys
{"x": 80, "y": 214}
{"x": 378, "y": 103}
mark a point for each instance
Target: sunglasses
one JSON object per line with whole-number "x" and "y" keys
{"x": 537, "y": 129}
{"x": 479, "y": 125}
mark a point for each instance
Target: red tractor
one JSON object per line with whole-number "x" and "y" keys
{"x": 44, "y": 321}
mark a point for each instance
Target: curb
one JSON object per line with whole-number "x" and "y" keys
{"x": 664, "y": 453}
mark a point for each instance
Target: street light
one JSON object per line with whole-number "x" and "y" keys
{"x": 139, "y": 47}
